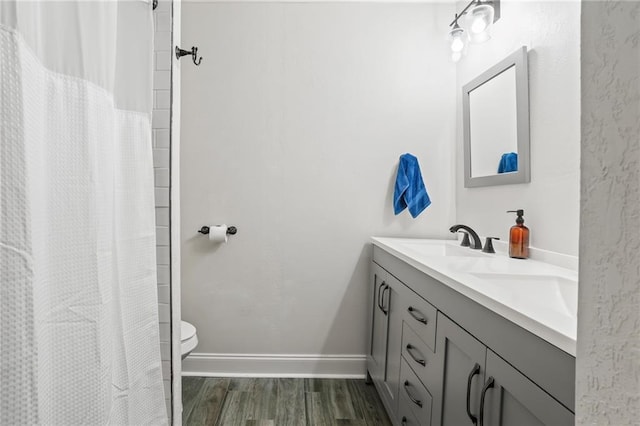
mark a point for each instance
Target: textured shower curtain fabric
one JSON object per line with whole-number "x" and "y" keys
{"x": 79, "y": 339}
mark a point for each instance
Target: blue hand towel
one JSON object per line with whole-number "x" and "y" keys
{"x": 410, "y": 190}
{"x": 508, "y": 163}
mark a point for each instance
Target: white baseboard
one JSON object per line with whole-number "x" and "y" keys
{"x": 267, "y": 365}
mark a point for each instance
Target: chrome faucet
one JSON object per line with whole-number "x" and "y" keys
{"x": 476, "y": 243}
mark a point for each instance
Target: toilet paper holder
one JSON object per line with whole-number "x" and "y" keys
{"x": 232, "y": 230}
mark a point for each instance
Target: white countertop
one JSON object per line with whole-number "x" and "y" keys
{"x": 537, "y": 296}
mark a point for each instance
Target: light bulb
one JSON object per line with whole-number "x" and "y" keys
{"x": 455, "y": 56}
{"x": 479, "y": 21}
{"x": 478, "y": 25}
{"x": 457, "y": 38}
{"x": 457, "y": 45}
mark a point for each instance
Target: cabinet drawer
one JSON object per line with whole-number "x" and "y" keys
{"x": 421, "y": 317}
{"x": 405, "y": 415}
{"x": 418, "y": 396}
{"x": 419, "y": 357}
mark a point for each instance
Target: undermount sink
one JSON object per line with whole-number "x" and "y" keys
{"x": 544, "y": 292}
{"x": 437, "y": 248}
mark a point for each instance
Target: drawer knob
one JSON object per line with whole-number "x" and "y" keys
{"x": 417, "y": 315}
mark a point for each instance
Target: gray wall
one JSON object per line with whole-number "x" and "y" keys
{"x": 608, "y": 367}
{"x": 551, "y": 30}
{"x": 161, "y": 105}
{"x": 291, "y": 130}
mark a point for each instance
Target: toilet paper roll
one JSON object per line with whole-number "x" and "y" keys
{"x": 218, "y": 233}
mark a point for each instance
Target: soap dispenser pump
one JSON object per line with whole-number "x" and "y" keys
{"x": 519, "y": 237}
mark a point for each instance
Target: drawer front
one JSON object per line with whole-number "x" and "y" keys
{"x": 405, "y": 415}
{"x": 420, "y": 315}
{"x": 419, "y": 357}
{"x": 418, "y": 396}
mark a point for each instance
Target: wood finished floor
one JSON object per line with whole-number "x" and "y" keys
{"x": 280, "y": 402}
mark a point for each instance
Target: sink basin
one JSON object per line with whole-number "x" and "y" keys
{"x": 549, "y": 293}
{"x": 428, "y": 248}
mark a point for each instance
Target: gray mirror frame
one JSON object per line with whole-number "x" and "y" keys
{"x": 523, "y": 175}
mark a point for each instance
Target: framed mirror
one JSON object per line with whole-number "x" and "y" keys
{"x": 495, "y": 107}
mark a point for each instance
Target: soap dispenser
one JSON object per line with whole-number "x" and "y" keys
{"x": 519, "y": 237}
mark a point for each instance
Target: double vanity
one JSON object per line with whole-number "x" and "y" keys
{"x": 460, "y": 337}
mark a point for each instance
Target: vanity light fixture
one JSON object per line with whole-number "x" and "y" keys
{"x": 479, "y": 18}
{"x": 458, "y": 40}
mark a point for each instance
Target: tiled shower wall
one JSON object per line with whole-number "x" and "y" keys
{"x": 161, "y": 157}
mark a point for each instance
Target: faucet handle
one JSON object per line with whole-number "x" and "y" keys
{"x": 465, "y": 239}
{"x": 488, "y": 245}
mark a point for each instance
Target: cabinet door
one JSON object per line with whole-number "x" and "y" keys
{"x": 392, "y": 303}
{"x": 511, "y": 399}
{"x": 461, "y": 358}
{"x": 379, "y": 322}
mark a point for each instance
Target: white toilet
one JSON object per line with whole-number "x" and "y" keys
{"x": 188, "y": 338}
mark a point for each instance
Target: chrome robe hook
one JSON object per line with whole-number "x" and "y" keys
{"x": 193, "y": 52}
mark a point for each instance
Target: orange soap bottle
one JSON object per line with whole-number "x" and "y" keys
{"x": 519, "y": 237}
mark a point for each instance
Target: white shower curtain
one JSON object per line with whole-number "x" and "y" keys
{"x": 79, "y": 340}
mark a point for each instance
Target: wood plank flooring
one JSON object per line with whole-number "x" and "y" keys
{"x": 280, "y": 402}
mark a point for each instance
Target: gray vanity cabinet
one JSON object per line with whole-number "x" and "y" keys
{"x": 470, "y": 371}
{"x": 453, "y": 351}
{"x": 383, "y": 359}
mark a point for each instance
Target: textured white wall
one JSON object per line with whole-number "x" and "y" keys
{"x": 551, "y": 30}
{"x": 291, "y": 130}
{"x": 608, "y": 361}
